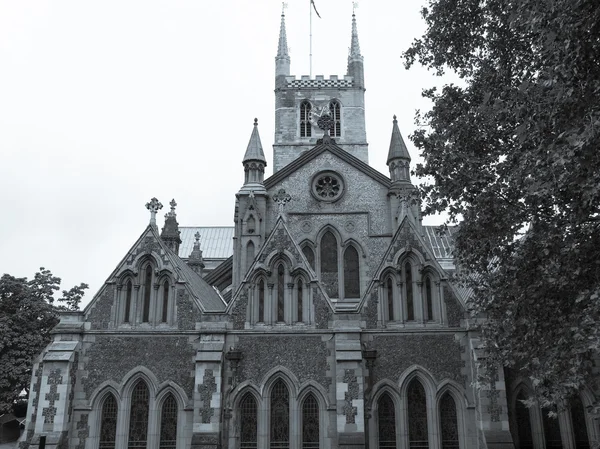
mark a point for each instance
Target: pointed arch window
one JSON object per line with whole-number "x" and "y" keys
{"x": 386, "y": 419}
{"x": 578, "y": 421}
{"x": 389, "y": 290}
{"x": 449, "y": 422}
{"x": 108, "y": 426}
{"x": 280, "y": 416}
{"x": 249, "y": 254}
{"x": 147, "y": 294}
{"x": 280, "y": 294}
{"x": 336, "y": 115}
{"x": 299, "y": 293}
{"x": 329, "y": 264}
{"x": 305, "y": 113}
{"x": 310, "y": 423}
{"x": 165, "y": 302}
{"x": 410, "y": 304}
{"x": 351, "y": 273}
{"x": 523, "y": 423}
{"x": 248, "y": 422}
{"x": 128, "y": 295}
{"x": 168, "y": 423}
{"x": 138, "y": 417}
{"x": 551, "y": 431}
{"x": 310, "y": 256}
{"x": 261, "y": 301}
{"x": 428, "y": 299}
{"x": 417, "y": 416}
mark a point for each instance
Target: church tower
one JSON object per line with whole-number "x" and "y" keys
{"x": 299, "y": 103}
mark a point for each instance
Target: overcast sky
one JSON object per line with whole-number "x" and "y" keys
{"x": 106, "y": 104}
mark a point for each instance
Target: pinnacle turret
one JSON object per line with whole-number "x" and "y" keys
{"x": 170, "y": 233}
{"x": 398, "y": 158}
{"x": 254, "y": 159}
{"x": 195, "y": 260}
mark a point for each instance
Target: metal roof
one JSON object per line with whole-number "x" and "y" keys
{"x": 216, "y": 242}
{"x": 442, "y": 244}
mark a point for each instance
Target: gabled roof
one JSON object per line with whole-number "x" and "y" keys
{"x": 311, "y": 154}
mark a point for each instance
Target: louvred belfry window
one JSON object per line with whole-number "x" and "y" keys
{"x": 280, "y": 416}
{"x": 168, "y": 424}
{"x": 138, "y": 417}
{"x": 417, "y": 415}
{"x": 336, "y": 116}
{"x": 386, "y": 418}
{"x": 310, "y": 423}
{"x": 305, "y": 127}
{"x": 449, "y": 422}
{"x": 248, "y": 422}
{"x": 108, "y": 423}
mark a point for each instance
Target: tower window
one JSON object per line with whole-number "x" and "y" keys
{"x": 305, "y": 112}
{"x": 335, "y": 112}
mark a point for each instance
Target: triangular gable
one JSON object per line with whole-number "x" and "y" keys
{"x": 149, "y": 243}
{"x": 311, "y": 154}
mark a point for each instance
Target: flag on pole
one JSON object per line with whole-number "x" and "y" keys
{"x": 312, "y": 2}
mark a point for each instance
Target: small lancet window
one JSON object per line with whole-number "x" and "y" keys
{"x": 523, "y": 423}
{"x": 310, "y": 256}
{"x": 551, "y": 431}
{"x": 299, "y": 292}
{"x": 280, "y": 416}
{"x": 329, "y": 264}
{"x": 165, "y": 305}
{"x": 138, "y": 418}
{"x": 147, "y": 293}
{"x": 128, "y": 294}
{"x": 248, "y": 423}
{"x": 429, "y": 298}
{"x": 449, "y": 423}
{"x": 261, "y": 301}
{"x": 351, "y": 273}
{"x": 310, "y": 423}
{"x": 249, "y": 254}
{"x": 386, "y": 417}
{"x": 108, "y": 423}
{"x": 410, "y": 305}
{"x": 280, "y": 294}
{"x": 335, "y": 112}
{"x": 417, "y": 416}
{"x": 390, "y": 298}
{"x": 168, "y": 424}
{"x": 305, "y": 112}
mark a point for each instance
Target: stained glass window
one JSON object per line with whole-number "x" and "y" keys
{"x": 108, "y": 423}
{"x": 249, "y": 254}
{"x": 351, "y": 273}
{"x": 335, "y": 112}
{"x": 168, "y": 423}
{"x": 417, "y": 415}
{"x": 280, "y": 294}
{"x": 261, "y": 301}
{"x": 248, "y": 422}
{"x": 280, "y": 416}
{"x": 410, "y": 307}
{"x": 310, "y": 256}
{"x": 147, "y": 293}
{"x": 386, "y": 418}
{"x": 329, "y": 264}
{"x": 138, "y": 418}
{"x": 429, "y": 298}
{"x": 551, "y": 431}
{"x": 449, "y": 422}
{"x": 310, "y": 423}
{"x": 389, "y": 286}
{"x": 523, "y": 422}
{"x": 128, "y": 292}
{"x": 300, "y": 292}
{"x": 579, "y": 424}
{"x": 165, "y": 308}
{"x": 305, "y": 127}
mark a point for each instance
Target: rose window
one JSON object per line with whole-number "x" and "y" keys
{"x": 327, "y": 186}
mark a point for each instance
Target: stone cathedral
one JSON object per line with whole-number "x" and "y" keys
{"x": 325, "y": 317}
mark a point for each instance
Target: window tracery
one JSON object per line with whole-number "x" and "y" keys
{"x": 305, "y": 116}
{"x": 280, "y": 416}
{"x": 386, "y": 418}
{"x": 551, "y": 431}
{"x": 168, "y": 423}
{"x": 108, "y": 420}
{"x": 248, "y": 422}
{"x": 340, "y": 280}
{"x": 138, "y": 417}
{"x": 449, "y": 423}
{"x": 310, "y": 423}
{"x": 417, "y": 415}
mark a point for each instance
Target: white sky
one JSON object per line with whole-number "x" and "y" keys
{"x": 105, "y": 104}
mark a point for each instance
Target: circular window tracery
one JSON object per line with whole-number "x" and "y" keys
{"x": 327, "y": 186}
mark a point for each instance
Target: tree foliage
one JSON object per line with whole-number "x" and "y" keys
{"x": 28, "y": 313}
{"x": 513, "y": 151}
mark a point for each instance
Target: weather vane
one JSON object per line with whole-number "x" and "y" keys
{"x": 284, "y": 6}
{"x": 354, "y": 6}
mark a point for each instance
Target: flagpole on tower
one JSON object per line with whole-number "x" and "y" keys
{"x": 310, "y": 3}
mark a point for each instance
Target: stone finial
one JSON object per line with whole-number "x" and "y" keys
{"x": 195, "y": 260}
{"x": 197, "y": 237}
{"x": 173, "y": 205}
{"x": 153, "y": 206}
{"x": 281, "y": 198}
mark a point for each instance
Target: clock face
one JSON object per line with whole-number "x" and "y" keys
{"x": 320, "y": 118}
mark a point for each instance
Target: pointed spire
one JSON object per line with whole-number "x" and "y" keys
{"x": 254, "y": 152}
{"x": 282, "y": 48}
{"x": 355, "y": 59}
{"x": 397, "y": 146}
{"x": 354, "y": 45}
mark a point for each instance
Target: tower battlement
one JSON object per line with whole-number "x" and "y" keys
{"x": 319, "y": 82}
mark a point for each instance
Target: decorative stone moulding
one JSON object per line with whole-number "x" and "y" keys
{"x": 327, "y": 186}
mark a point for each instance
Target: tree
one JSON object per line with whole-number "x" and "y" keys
{"x": 513, "y": 153}
{"x": 27, "y": 315}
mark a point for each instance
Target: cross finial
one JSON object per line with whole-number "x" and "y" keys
{"x": 173, "y": 205}
{"x": 281, "y": 198}
{"x": 197, "y": 236}
{"x": 153, "y": 206}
